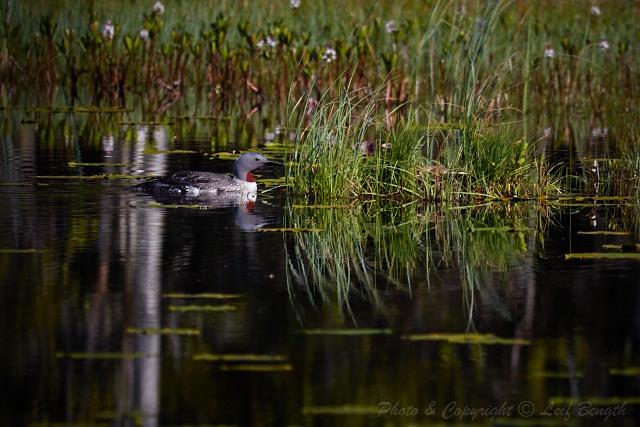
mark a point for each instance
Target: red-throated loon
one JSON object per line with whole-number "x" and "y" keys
{"x": 191, "y": 183}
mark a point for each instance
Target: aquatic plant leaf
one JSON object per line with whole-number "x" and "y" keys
{"x": 603, "y": 255}
{"x": 604, "y": 233}
{"x": 482, "y": 339}
{"x": 629, "y": 371}
{"x": 285, "y": 367}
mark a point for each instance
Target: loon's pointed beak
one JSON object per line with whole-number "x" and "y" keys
{"x": 271, "y": 162}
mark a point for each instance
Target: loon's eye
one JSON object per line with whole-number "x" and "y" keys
{"x": 257, "y": 159}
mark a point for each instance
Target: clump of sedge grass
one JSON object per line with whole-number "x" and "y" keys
{"x": 346, "y": 149}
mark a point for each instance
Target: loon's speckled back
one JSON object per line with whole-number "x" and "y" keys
{"x": 195, "y": 183}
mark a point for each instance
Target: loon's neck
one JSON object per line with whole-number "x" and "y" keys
{"x": 244, "y": 176}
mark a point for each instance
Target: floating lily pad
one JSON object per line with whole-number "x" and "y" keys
{"x": 482, "y": 339}
{"x": 201, "y": 308}
{"x": 604, "y": 233}
{"x": 225, "y": 156}
{"x": 163, "y": 331}
{"x": 285, "y": 367}
{"x": 351, "y": 331}
{"x": 630, "y": 247}
{"x": 629, "y": 371}
{"x": 604, "y": 255}
{"x": 209, "y": 357}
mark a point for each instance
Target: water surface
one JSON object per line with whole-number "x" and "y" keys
{"x": 83, "y": 260}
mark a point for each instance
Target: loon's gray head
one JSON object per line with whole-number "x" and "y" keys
{"x": 246, "y": 163}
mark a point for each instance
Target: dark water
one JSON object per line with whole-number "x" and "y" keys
{"x": 101, "y": 258}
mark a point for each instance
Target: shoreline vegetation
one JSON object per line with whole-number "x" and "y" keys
{"x": 433, "y": 101}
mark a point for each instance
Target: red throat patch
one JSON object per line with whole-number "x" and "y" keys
{"x": 250, "y": 177}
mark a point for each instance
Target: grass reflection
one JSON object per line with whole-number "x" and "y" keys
{"x": 365, "y": 249}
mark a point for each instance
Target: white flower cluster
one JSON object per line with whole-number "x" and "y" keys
{"x": 390, "y": 27}
{"x": 294, "y": 4}
{"x": 158, "y": 8}
{"x": 595, "y": 11}
{"x": 329, "y": 55}
{"x": 266, "y": 42}
{"x": 109, "y": 30}
{"x": 549, "y": 52}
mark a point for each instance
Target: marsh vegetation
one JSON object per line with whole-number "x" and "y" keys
{"x": 458, "y": 207}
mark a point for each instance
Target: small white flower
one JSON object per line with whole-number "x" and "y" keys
{"x": 294, "y": 4}
{"x": 330, "y": 55}
{"x": 595, "y": 11}
{"x": 158, "y": 8}
{"x": 603, "y": 45}
{"x": 144, "y": 34}
{"x": 266, "y": 42}
{"x": 548, "y": 132}
{"x": 278, "y": 130}
{"x": 109, "y": 30}
{"x": 269, "y": 136}
{"x": 390, "y": 27}
{"x": 549, "y": 52}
